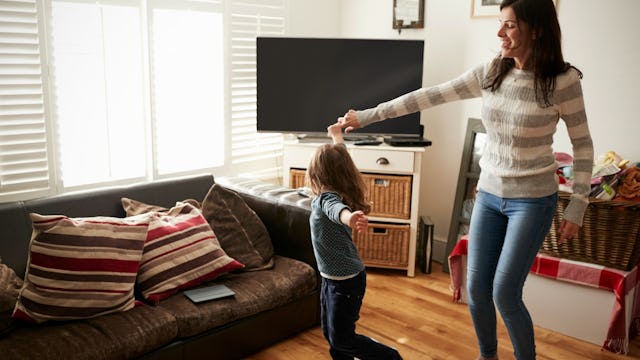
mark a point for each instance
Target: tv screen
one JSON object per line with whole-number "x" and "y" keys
{"x": 305, "y": 84}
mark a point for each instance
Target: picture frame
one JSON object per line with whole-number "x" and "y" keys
{"x": 489, "y": 8}
{"x": 408, "y": 14}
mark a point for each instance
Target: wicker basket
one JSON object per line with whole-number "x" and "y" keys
{"x": 383, "y": 244}
{"x": 390, "y": 195}
{"x": 296, "y": 178}
{"x": 610, "y": 234}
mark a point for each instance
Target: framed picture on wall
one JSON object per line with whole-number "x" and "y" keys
{"x": 488, "y": 8}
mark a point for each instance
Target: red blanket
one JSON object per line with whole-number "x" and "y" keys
{"x": 617, "y": 281}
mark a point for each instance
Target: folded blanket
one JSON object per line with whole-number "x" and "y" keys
{"x": 619, "y": 282}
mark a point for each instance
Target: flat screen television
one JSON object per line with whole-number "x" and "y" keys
{"x": 305, "y": 84}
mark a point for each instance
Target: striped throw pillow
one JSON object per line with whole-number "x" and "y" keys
{"x": 81, "y": 267}
{"x": 181, "y": 251}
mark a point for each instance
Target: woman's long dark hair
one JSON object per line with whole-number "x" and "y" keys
{"x": 546, "y": 56}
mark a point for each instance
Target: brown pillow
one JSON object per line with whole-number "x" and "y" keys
{"x": 240, "y": 231}
{"x": 10, "y": 285}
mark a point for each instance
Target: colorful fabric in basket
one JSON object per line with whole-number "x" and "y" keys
{"x": 617, "y": 281}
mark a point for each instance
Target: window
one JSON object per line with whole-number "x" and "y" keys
{"x": 138, "y": 90}
{"x": 98, "y": 87}
{"x": 249, "y": 19}
{"x": 24, "y": 150}
{"x": 188, "y": 80}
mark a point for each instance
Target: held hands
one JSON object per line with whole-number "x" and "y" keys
{"x": 567, "y": 231}
{"x": 349, "y": 121}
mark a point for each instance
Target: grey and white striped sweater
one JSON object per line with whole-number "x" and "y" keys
{"x": 518, "y": 158}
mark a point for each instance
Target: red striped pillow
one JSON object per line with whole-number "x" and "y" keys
{"x": 81, "y": 267}
{"x": 181, "y": 251}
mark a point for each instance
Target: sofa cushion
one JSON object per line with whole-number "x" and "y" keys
{"x": 123, "y": 335}
{"x": 81, "y": 267}
{"x": 181, "y": 251}
{"x": 10, "y": 284}
{"x": 257, "y": 291}
{"x": 240, "y": 231}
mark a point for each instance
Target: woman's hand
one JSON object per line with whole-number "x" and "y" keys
{"x": 349, "y": 121}
{"x": 567, "y": 231}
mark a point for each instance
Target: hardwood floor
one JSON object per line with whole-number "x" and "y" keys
{"x": 416, "y": 315}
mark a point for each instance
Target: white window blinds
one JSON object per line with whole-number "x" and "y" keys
{"x": 187, "y": 72}
{"x": 96, "y": 92}
{"x": 24, "y": 154}
{"x": 97, "y": 73}
{"x": 249, "y": 19}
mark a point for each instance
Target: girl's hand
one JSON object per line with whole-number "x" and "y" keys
{"x": 334, "y": 131}
{"x": 359, "y": 221}
{"x": 349, "y": 121}
{"x": 567, "y": 231}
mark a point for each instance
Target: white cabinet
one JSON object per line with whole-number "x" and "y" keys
{"x": 393, "y": 178}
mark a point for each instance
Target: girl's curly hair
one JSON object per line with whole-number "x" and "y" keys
{"x": 332, "y": 169}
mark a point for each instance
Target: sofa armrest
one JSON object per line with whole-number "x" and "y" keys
{"x": 284, "y": 212}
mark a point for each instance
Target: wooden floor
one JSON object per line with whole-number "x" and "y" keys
{"x": 416, "y": 315}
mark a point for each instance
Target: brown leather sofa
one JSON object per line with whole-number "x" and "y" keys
{"x": 270, "y": 305}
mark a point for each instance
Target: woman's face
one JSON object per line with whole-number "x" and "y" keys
{"x": 516, "y": 36}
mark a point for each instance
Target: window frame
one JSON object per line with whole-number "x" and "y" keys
{"x": 263, "y": 167}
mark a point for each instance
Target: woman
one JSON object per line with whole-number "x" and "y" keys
{"x": 525, "y": 90}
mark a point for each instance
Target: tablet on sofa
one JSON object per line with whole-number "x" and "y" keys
{"x": 207, "y": 293}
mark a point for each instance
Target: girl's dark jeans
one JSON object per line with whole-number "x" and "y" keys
{"x": 341, "y": 301}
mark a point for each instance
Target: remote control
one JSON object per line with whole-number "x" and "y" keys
{"x": 367, "y": 142}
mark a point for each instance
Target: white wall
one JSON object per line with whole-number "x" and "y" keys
{"x": 448, "y": 40}
{"x": 599, "y": 37}
{"x": 312, "y": 18}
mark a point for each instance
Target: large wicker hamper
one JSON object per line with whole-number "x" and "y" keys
{"x": 609, "y": 236}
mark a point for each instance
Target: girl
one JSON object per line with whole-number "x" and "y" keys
{"x": 338, "y": 207}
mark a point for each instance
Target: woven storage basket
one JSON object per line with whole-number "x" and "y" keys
{"x": 296, "y": 178}
{"x": 390, "y": 195}
{"x": 609, "y": 236}
{"x": 383, "y": 245}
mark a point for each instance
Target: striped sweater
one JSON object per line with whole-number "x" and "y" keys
{"x": 518, "y": 158}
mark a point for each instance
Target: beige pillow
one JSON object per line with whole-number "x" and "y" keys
{"x": 134, "y": 207}
{"x": 81, "y": 267}
{"x": 181, "y": 251}
{"x": 240, "y": 231}
{"x": 10, "y": 285}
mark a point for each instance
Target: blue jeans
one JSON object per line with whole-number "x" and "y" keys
{"x": 504, "y": 238}
{"x": 340, "y": 302}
